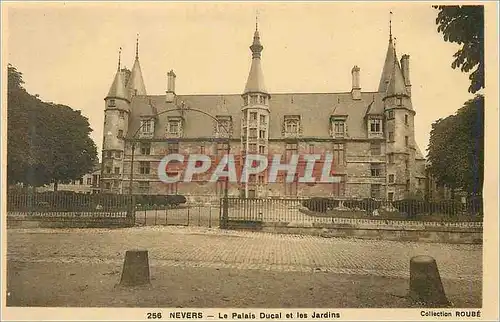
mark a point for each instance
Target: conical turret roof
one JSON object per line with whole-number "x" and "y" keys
{"x": 117, "y": 89}
{"x": 255, "y": 81}
{"x": 136, "y": 83}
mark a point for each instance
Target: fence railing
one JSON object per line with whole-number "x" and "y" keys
{"x": 319, "y": 209}
{"x": 68, "y": 204}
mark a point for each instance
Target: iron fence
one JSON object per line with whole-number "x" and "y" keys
{"x": 67, "y": 205}
{"x": 320, "y": 209}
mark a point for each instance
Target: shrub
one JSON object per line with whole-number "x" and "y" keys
{"x": 320, "y": 204}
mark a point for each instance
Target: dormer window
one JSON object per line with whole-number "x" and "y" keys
{"x": 375, "y": 126}
{"x": 147, "y": 126}
{"x": 111, "y": 103}
{"x": 174, "y": 127}
{"x": 338, "y": 127}
{"x": 224, "y": 126}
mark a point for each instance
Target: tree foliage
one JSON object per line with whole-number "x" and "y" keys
{"x": 456, "y": 148}
{"x": 46, "y": 143}
{"x": 464, "y": 25}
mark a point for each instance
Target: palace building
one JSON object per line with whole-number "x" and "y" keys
{"x": 370, "y": 134}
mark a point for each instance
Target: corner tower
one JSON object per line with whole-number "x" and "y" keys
{"x": 116, "y": 116}
{"x": 255, "y": 119}
{"x": 399, "y": 128}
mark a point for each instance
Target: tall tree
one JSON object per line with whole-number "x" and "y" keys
{"x": 464, "y": 25}
{"x": 46, "y": 142}
{"x": 456, "y": 148}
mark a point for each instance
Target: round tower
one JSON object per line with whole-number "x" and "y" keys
{"x": 399, "y": 129}
{"x": 116, "y": 117}
{"x": 255, "y": 120}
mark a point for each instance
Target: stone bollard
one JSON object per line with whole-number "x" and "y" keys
{"x": 425, "y": 283}
{"x": 135, "y": 268}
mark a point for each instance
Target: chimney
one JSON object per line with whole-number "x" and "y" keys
{"x": 405, "y": 68}
{"x": 170, "y": 95}
{"x": 356, "y": 88}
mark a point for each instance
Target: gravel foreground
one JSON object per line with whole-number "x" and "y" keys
{"x": 211, "y": 268}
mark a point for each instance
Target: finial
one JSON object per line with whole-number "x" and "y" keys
{"x": 257, "y": 21}
{"x": 137, "y": 47}
{"x": 119, "y": 58}
{"x": 390, "y": 25}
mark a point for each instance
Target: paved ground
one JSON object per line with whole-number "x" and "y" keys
{"x": 196, "y": 266}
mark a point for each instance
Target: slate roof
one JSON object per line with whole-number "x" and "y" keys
{"x": 117, "y": 89}
{"x": 315, "y": 110}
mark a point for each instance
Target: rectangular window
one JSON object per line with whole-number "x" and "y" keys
{"x": 262, "y": 149}
{"x": 290, "y": 149}
{"x": 245, "y": 100}
{"x": 108, "y": 169}
{"x": 390, "y": 196}
{"x": 406, "y": 119}
{"x": 117, "y": 170}
{"x": 109, "y": 154}
{"x": 146, "y": 148}
{"x": 107, "y": 185}
{"x": 262, "y": 100}
{"x": 116, "y": 183}
{"x": 400, "y": 101}
{"x": 390, "y": 158}
{"x": 122, "y": 114}
{"x": 338, "y": 188}
{"x": 224, "y": 125}
{"x": 253, "y": 99}
{"x": 120, "y": 134}
{"x": 390, "y": 114}
{"x": 376, "y": 126}
{"x": 262, "y": 134}
{"x": 80, "y": 181}
{"x": 118, "y": 154}
{"x": 406, "y": 141}
{"x": 202, "y": 149}
{"x": 339, "y": 128}
{"x": 338, "y": 154}
{"x": 253, "y": 116}
{"x": 173, "y": 127}
{"x": 147, "y": 126}
{"x": 311, "y": 148}
{"x": 252, "y": 133}
{"x": 144, "y": 167}
{"x": 375, "y": 171}
{"x": 111, "y": 103}
{"x": 375, "y": 149}
{"x": 375, "y": 191}
{"x": 252, "y": 147}
{"x": 89, "y": 181}
{"x": 261, "y": 179}
{"x": 392, "y": 178}
{"x": 173, "y": 148}
{"x": 262, "y": 119}
{"x": 291, "y": 127}
{"x": 391, "y": 136}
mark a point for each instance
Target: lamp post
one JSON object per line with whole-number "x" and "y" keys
{"x": 226, "y": 186}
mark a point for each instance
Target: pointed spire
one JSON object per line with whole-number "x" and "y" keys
{"x": 119, "y": 58}
{"x": 135, "y": 85}
{"x": 255, "y": 81}
{"x": 117, "y": 89}
{"x": 390, "y": 25}
{"x": 137, "y": 48}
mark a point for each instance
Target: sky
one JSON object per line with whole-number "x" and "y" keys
{"x": 68, "y": 52}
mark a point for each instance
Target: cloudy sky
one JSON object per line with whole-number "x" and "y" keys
{"x": 68, "y": 52}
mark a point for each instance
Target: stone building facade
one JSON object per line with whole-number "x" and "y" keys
{"x": 371, "y": 135}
